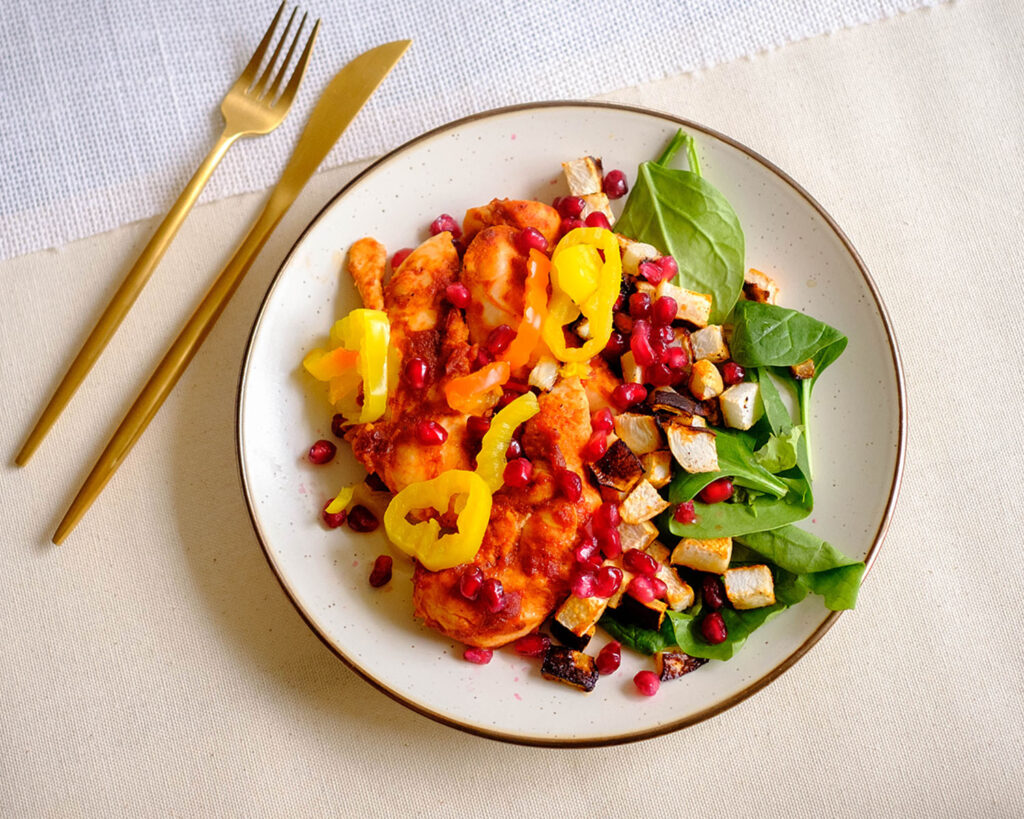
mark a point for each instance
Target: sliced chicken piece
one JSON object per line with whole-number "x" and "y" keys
{"x": 367, "y": 260}
{"x": 423, "y": 325}
{"x": 517, "y": 214}
{"x": 494, "y": 271}
{"x": 530, "y": 539}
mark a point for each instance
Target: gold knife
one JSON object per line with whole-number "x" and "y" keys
{"x": 337, "y": 107}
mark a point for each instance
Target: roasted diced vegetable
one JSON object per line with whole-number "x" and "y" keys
{"x": 640, "y": 432}
{"x": 646, "y": 615}
{"x": 657, "y": 467}
{"x": 570, "y": 667}
{"x": 679, "y": 594}
{"x": 633, "y": 253}
{"x": 618, "y": 468}
{"x": 759, "y": 287}
{"x": 544, "y": 374}
{"x": 709, "y": 343}
{"x": 705, "y": 380}
{"x": 584, "y": 175}
{"x": 637, "y": 535}
{"x": 741, "y": 405}
{"x": 575, "y": 621}
{"x": 694, "y": 449}
{"x": 597, "y": 203}
{"x": 803, "y": 370}
{"x": 642, "y": 504}
{"x": 671, "y": 665}
{"x": 694, "y": 308}
{"x": 710, "y": 555}
{"x": 749, "y": 587}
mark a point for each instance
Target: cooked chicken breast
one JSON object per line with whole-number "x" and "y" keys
{"x": 494, "y": 271}
{"x": 517, "y": 214}
{"x": 530, "y": 539}
{"x": 366, "y": 262}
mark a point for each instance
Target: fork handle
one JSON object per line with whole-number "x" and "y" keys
{"x": 125, "y": 296}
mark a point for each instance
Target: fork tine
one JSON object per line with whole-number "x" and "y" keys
{"x": 249, "y": 74}
{"x": 258, "y": 88}
{"x": 283, "y": 70}
{"x": 300, "y": 68}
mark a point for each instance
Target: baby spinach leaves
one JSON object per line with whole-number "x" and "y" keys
{"x": 766, "y": 335}
{"x": 681, "y": 213}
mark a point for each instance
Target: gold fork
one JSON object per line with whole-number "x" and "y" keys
{"x": 249, "y": 108}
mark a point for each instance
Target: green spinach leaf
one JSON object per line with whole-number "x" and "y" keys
{"x": 735, "y": 460}
{"x": 766, "y": 335}
{"x": 681, "y": 213}
{"x": 644, "y": 640}
{"x": 779, "y": 452}
{"x": 775, "y": 411}
{"x": 817, "y": 564}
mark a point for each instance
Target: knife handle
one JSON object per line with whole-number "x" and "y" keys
{"x": 171, "y": 367}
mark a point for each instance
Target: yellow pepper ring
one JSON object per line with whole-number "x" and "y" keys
{"x": 572, "y": 293}
{"x": 422, "y": 540}
{"x": 491, "y": 462}
{"x": 367, "y": 331}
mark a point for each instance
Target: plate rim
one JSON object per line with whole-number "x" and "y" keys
{"x": 728, "y": 702}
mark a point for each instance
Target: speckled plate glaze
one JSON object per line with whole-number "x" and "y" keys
{"x": 859, "y": 413}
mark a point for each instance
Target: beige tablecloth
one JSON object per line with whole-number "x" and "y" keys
{"x": 152, "y": 666}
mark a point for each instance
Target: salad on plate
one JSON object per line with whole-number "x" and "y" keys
{"x": 574, "y": 423}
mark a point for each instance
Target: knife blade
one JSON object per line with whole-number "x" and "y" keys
{"x": 343, "y": 98}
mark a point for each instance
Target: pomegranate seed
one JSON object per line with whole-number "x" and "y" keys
{"x": 595, "y": 447}
{"x": 399, "y": 257}
{"x": 609, "y": 658}
{"x": 660, "y": 375}
{"x": 664, "y": 335}
{"x": 664, "y": 311}
{"x": 322, "y": 452}
{"x": 499, "y": 339}
{"x": 518, "y": 473}
{"x": 571, "y": 207}
{"x": 640, "y": 343}
{"x": 476, "y": 426}
{"x": 416, "y": 370}
{"x": 685, "y": 513}
{"x": 492, "y": 595}
{"x": 717, "y": 491}
{"x": 602, "y": 421}
{"x": 570, "y": 224}
{"x": 610, "y": 542}
{"x": 445, "y": 222}
{"x": 480, "y": 656}
{"x": 732, "y": 373}
{"x": 376, "y": 483}
{"x": 626, "y": 395}
{"x": 531, "y": 239}
{"x": 607, "y": 515}
{"x": 430, "y": 433}
{"x": 676, "y": 358}
{"x": 517, "y": 387}
{"x": 583, "y": 584}
{"x": 514, "y": 450}
{"x": 609, "y": 581}
{"x": 458, "y": 294}
{"x": 647, "y": 683}
{"x": 615, "y": 186}
{"x": 333, "y": 519}
{"x": 659, "y": 587}
{"x": 619, "y": 301}
{"x": 507, "y": 397}
{"x": 533, "y": 645}
{"x": 585, "y": 550}
{"x": 623, "y": 322}
{"x": 482, "y": 359}
{"x": 569, "y": 484}
{"x": 338, "y": 425}
{"x": 470, "y": 583}
{"x": 669, "y": 268}
{"x": 712, "y": 592}
{"x": 381, "y": 574}
{"x": 598, "y": 220}
{"x": 639, "y": 562}
{"x": 640, "y": 306}
{"x": 712, "y": 628}
{"x": 650, "y": 271}
{"x": 641, "y": 588}
{"x": 361, "y": 519}
{"x": 616, "y": 346}
{"x": 556, "y": 203}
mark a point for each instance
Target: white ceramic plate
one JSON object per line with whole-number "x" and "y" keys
{"x": 859, "y": 409}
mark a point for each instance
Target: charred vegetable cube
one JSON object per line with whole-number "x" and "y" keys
{"x": 618, "y": 468}
{"x": 694, "y": 449}
{"x": 646, "y": 615}
{"x": 640, "y": 432}
{"x": 657, "y": 468}
{"x": 750, "y": 587}
{"x": 642, "y": 504}
{"x": 759, "y": 287}
{"x": 710, "y": 555}
{"x": 671, "y": 665}
{"x": 576, "y": 620}
{"x": 570, "y": 667}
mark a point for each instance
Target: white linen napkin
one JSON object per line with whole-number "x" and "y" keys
{"x": 107, "y": 107}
